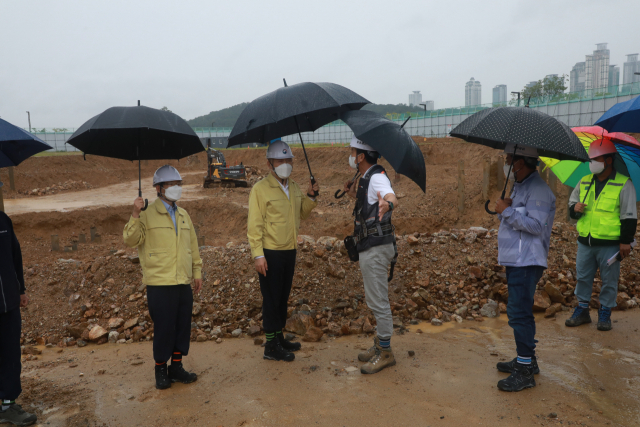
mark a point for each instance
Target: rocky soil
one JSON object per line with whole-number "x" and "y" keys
{"x": 440, "y": 277}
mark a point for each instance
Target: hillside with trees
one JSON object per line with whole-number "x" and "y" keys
{"x": 228, "y": 116}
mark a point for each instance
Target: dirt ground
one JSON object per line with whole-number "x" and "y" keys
{"x": 588, "y": 377}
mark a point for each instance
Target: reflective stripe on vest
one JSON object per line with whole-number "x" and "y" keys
{"x": 601, "y": 217}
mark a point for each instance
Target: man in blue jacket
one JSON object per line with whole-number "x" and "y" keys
{"x": 526, "y": 219}
{"x": 12, "y": 297}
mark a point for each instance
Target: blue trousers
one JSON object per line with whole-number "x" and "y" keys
{"x": 522, "y": 283}
{"x": 588, "y": 261}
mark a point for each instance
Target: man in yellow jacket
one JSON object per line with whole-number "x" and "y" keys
{"x": 276, "y": 205}
{"x": 169, "y": 257}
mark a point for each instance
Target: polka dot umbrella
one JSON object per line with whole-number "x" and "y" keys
{"x": 521, "y": 126}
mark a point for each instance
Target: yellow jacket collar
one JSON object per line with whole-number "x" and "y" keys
{"x": 273, "y": 182}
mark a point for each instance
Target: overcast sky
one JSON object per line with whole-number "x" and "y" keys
{"x": 66, "y": 61}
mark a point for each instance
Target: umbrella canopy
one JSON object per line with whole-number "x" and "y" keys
{"x": 626, "y": 161}
{"x": 497, "y": 127}
{"x": 303, "y": 107}
{"x": 137, "y": 133}
{"x": 17, "y": 145}
{"x": 622, "y": 117}
{"x": 391, "y": 141}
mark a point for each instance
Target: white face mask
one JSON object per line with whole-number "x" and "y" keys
{"x": 284, "y": 170}
{"x": 510, "y": 176}
{"x": 173, "y": 193}
{"x": 596, "y": 167}
{"x": 352, "y": 162}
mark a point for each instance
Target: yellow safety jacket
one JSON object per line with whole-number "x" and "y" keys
{"x": 601, "y": 218}
{"x": 166, "y": 258}
{"x": 274, "y": 219}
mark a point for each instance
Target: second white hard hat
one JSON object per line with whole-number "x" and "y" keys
{"x": 166, "y": 173}
{"x": 279, "y": 150}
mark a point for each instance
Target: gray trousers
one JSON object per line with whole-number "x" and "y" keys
{"x": 374, "y": 263}
{"x": 590, "y": 259}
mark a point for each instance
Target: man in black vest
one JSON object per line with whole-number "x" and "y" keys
{"x": 12, "y": 297}
{"x": 376, "y": 246}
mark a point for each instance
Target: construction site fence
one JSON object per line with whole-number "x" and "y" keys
{"x": 572, "y": 108}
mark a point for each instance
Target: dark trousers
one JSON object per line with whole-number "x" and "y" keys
{"x": 522, "y": 283}
{"x": 276, "y": 287}
{"x": 170, "y": 309}
{"x": 10, "y": 366}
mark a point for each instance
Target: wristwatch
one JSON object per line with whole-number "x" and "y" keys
{"x": 390, "y": 206}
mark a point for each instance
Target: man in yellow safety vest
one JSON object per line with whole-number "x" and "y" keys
{"x": 604, "y": 203}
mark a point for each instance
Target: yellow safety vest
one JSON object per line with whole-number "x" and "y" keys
{"x": 601, "y": 217}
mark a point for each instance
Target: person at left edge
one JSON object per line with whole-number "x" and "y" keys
{"x": 12, "y": 297}
{"x": 170, "y": 260}
{"x": 276, "y": 206}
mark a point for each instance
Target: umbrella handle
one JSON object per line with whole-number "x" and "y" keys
{"x": 313, "y": 181}
{"x": 146, "y": 204}
{"x": 486, "y": 208}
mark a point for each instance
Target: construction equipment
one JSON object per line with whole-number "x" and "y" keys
{"x": 221, "y": 175}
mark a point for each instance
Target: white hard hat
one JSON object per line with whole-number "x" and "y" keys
{"x": 166, "y": 173}
{"x": 356, "y": 143}
{"x": 522, "y": 150}
{"x": 279, "y": 150}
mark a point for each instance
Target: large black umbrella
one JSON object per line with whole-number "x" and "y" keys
{"x": 137, "y": 133}
{"x": 391, "y": 141}
{"x": 303, "y": 107}
{"x": 521, "y": 126}
{"x": 17, "y": 145}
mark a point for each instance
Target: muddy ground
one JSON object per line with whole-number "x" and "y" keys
{"x": 588, "y": 378}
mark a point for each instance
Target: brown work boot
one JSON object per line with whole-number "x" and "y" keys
{"x": 383, "y": 358}
{"x": 365, "y": 356}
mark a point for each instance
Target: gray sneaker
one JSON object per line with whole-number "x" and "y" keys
{"x": 17, "y": 416}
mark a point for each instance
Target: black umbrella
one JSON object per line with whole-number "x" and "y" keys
{"x": 391, "y": 141}
{"x": 17, "y": 145}
{"x": 303, "y": 107}
{"x": 497, "y": 127}
{"x": 137, "y": 133}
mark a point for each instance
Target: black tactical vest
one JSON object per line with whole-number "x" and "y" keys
{"x": 368, "y": 229}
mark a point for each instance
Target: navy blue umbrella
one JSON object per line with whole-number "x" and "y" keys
{"x": 622, "y": 117}
{"x": 17, "y": 145}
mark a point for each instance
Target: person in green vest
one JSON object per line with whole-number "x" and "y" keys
{"x": 604, "y": 203}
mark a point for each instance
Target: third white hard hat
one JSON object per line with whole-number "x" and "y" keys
{"x": 356, "y": 143}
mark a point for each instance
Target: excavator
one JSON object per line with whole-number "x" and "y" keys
{"x": 221, "y": 175}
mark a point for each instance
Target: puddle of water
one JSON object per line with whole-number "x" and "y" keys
{"x": 428, "y": 328}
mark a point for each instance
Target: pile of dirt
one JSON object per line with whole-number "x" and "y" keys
{"x": 440, "y": 277}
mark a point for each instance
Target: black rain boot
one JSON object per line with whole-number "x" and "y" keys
{"x": 178, "y": 374}
{"x": 520, "y": 378}
{"x": 288, "y": 345}
{"x": 604, "y": 319}
{"x": 17, "y": 416}
{"x": 579, "y": 317}
{"x": 509, "y": 367}
{"x": 274, "y": 351}
{"x": 162, "y": 378}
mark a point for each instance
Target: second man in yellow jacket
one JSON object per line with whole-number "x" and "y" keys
{"x": 276, "y": 205}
